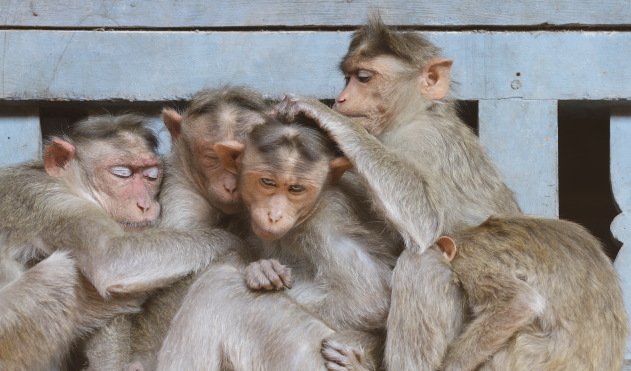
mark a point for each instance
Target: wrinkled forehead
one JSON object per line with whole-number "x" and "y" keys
{"x": 124, "y": 149}
{"x": 286, "y": 162}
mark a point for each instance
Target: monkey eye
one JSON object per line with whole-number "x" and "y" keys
{"x": 295, "y": 188}
{"x": 151, "y": 173}
{"x": 121, "y": 171}
{"x": 347, "y": 79}
{"x": 268, "y": 182}
{"x": 364, "y": 76}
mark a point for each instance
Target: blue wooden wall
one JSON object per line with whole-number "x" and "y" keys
{"x": 516, "y": 59}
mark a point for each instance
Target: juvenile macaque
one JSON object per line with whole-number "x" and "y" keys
{"x": 333, "y": 280}
{"x": 198, "y": 195}
{"x": 425, "y": 170}
{"x": 541, "y": 293}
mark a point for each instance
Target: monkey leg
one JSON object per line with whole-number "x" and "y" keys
{"x": 109, "y": 348}
{"x": 426, "y": 311}
{"x": 223, "y": 325}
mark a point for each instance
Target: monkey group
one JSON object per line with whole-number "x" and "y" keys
{"x": 289, "y": 235}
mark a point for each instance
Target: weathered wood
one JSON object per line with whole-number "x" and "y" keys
{"x": 158, "y": 66}
{"x": 521, "y": 137}
{"x": 20, "y": 135}
{"x": 620, "y": 132}
{"x": 218, "y": 13}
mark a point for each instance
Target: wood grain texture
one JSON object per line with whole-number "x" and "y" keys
{"x": 240, "y": 13}
{"x": 20, "y": 135}
{"x": 620, "y": 132}
{"x": 162, "y": 66}
{"x": 521, "y": 137}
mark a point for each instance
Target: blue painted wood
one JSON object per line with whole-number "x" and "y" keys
{"x": 620, "y": 132}
{"x": 20, "y": 135}
{"x": 219, "y": 13}
{"x": 158, "y": 66}
{"x": 521, "y": 137}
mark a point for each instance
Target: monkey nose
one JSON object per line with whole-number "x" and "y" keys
{"x": 274, "y": 217}
{"x": 144, "y": 204}
{"x": 230, "y": 188}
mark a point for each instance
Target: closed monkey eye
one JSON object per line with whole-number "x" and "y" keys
{"x": 151, "y": 173}
{"x": 121, "y": 171}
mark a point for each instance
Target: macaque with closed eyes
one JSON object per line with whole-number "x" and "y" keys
{"x": 65, "y": 222}
{"x": 328, "y": 273}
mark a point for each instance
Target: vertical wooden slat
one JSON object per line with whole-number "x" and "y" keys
{"x": 521, "y": 136}
{"x": 20, "y": 134}
{"x": 620, "y": 137}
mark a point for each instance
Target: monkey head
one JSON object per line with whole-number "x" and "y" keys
{"x": 219, "y": 117}
{"x": 388, "y": 75}
{"x": 282, "y": 170}
{"x": 117, "y": 168}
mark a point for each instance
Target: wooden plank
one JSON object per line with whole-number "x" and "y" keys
{"x": 521, "y": 137}
{"x": 620, "y": 132}
{"x": 20, "y": 135}
{"x": 218, "y": 13}
{"x": 159, "y": 66}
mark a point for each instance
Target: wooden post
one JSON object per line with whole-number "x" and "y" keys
{"x": 20, "y": 134}
{"x": 521, "y": 137}
{"x": 620, "y": 135}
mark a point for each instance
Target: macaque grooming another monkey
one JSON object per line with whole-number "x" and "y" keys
{"x": 542, "y": 296}
{"x": 425, "y": 170}
{"x": 333, "y": 280}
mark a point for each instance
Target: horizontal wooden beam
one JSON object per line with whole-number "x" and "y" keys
{"x": 164, "y": 66}
{"x": 240, "y": 13}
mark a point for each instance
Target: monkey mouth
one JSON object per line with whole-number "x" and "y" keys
{"x": 266, "y": 234}
{"x": 137, "y": 224}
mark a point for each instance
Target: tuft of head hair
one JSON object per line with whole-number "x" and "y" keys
{"x": 375, "y": 39}
{"x": 111, "y": 127}
{"x": 301, "y": 135}
{"x": 239, "y": 103}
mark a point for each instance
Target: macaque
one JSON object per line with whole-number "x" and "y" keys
{"x": 329, "y": 297}
{"x": 425, "y": 171}
{"x": 63, "y": 221}
{"x": 198, "y": 196}
{"x": 541, "y": 294}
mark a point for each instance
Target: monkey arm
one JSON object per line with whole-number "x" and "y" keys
{"x": 428, "y": 290}
{"x": 154, "y": 258}
{"x": 403, "y": 190}
{"x": 43, "y": 311}
{"x": 505, "y": 305}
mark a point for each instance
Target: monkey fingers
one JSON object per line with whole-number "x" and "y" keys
{"x": 268, "y": 274}
{"x": 339, "y": 357}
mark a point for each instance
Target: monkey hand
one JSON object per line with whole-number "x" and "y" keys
{"x": 325, "y": 117}
{"x": 340, "y": 357}
{"x": 268, "y": 274}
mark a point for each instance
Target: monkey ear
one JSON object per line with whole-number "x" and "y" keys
{"x": 229, "y": 154}
{"x": 57, "y": 157}
{"x": 337, "y": 168}
{"x": 448, "y": 246}
{"x": 173, "y": 121}
{"x": 435, "y": 78}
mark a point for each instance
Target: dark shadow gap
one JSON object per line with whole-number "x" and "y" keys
{"x": 584, "y": 181}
